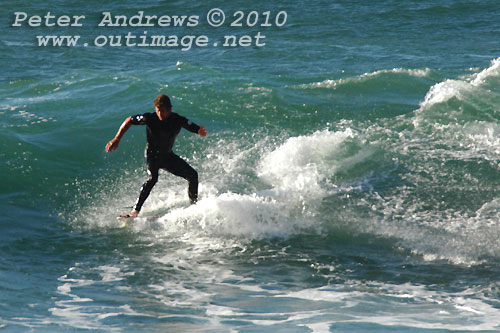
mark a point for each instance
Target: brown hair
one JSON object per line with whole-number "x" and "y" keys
{"x": 162, "y": 100}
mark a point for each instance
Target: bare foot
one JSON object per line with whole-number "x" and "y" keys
{"x": 133, "y": 213}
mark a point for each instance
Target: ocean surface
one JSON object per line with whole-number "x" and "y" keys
{"x": 349, "y": 181}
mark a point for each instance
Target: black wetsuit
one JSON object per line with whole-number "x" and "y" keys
{"x": 161, "y": 136}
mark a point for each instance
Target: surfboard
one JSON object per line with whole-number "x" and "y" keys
{"x": 126, "y": 221}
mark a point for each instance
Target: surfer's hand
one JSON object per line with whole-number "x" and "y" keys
{"x": 112, "y": 145}
{"x": 202, "y": 131}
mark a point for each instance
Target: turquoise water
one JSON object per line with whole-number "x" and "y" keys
{"x": 349, "y": 181}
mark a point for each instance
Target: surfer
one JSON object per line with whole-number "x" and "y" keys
{"x": 162, "y": 127}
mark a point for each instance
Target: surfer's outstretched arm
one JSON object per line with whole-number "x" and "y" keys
{"x": 113, "y": 144}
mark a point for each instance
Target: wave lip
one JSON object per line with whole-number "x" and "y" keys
{"x": 301, "y": 163}
{"x": 484, "y": 75}
{"x": 462, "y": 88}
{"x": 367, "y": 76}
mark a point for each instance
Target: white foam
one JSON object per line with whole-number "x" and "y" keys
{"x": 363, "y": 77}
{"x": 19, "y": 112}
{"x": 492, "y": 71}
{"x": 302, "y": 163}
{"x": 294, "y": 177}
{"x": 230, "y": 214}
{"x": 386, "y": 301}
{"x": 444, "y": 91}
{"x": 482, "y": 139}
{"x": 459, "y": 237}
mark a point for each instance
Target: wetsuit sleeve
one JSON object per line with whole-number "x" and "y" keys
{"x": 189, "y": 125}
{"x": 139, "y": 119}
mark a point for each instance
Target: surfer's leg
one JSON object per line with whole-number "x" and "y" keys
{"x": 177, "y": 166}
{"x": 148, "y": 185}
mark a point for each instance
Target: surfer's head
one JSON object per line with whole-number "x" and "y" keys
{"x": 163, "y": 106}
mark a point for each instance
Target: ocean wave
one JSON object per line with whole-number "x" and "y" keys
{"x": 290, "y": 181}
{"x": 396, "y": 178}
{"x": 462, "y": 114}
{"x": 461, "y": 89}
{"x": 441, "y": 204}
{"x": 329, "y": 84}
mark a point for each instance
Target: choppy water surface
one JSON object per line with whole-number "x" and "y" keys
{"x": 349, "y": 181}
